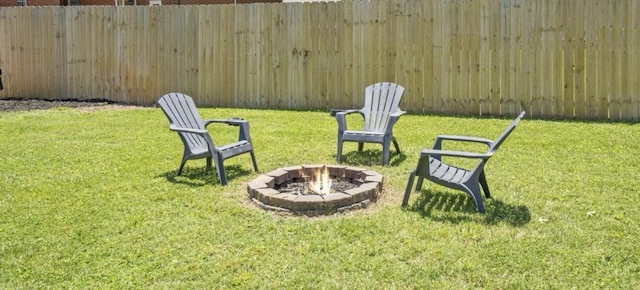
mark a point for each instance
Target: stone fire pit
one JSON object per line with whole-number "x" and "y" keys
{"x": 284, "y": 189}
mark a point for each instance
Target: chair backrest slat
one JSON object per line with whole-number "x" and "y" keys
{"x": 380, "y": 101}
{"x": 182, "y": 112}
{"x": 496, "y": 144}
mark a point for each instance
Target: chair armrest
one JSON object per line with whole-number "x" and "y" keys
{"x": 465, "y": 138}
{"x": 243, "y": 134}
{"x": 470, "y": 155}
{"x": 438, "y": 143}
{"x": 188, "y": 130}
{"x": 341, "y": 118}
{"x": 235, "y": 121}
{"x": 333, "y": 112}
{"x": 393, "y": 118}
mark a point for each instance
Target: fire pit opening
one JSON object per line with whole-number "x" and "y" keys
{"x": 315, "y": 189}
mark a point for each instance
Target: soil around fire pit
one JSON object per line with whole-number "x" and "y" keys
{"x": 12, "y": 105}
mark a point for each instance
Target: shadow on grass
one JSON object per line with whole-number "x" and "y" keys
{"x": 200, "y": 176}
{"x": 370, "y": 157}
{"x": 459, "y": 207}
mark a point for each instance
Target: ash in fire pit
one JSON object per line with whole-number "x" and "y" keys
{"x": 315, "y": 189}
{"x": 305, "y": 188}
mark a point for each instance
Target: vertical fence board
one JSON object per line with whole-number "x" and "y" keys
{"x": 241, "y": 55}
{"x": 159, "y": 52}
{"x": 484, "y": 56}
{"x": 306, "y": 58}
{"x": 352, "y": 96}
{"x": 343, "y": 35}
{"x": 557, "y": 80}
{"x": 4, "y": 58}
{"x": 38, "y": 54}
{"x": 325, "y": 31}
{"x": 252, "y": 57}
{"x": 425, "y": 60}
{"x": 191, "y": 48}
{"x": 266, "y": 85}
{"x": 530, "y": 34}
{"x": 591, "y": 59}
{"x": 535, "y": 105}
{"x": 634, "y": 61}
{"x": 368, "y": 52}
{"x": 472, "y": 19}
{"x": 129, "y": 81}
{"x": 569, "y": 62}
{"x": 605, "y": 64}
{"x": 466, "y": 64}
{"x": 203, "y": 54}
{"x": 542, "y": 106}
{"x": 511, "y": 75}
{"x": 579, "y": 68}
{"x": 314, "y": 66}
{"x": 402, "y": 54}
{"x": 455, "y": 63}
{"x": 136, "y": 58}
{"x": 357, "y": 45}
{"x": 625, "y": 45}
{"x": 416, "y": 86}
{"x": 97, "y": 54}
{"x": 611, "y": 69}
{"x": 387, "y": 43}
{"x": 27, "y": 52}
{"x": 495, "y": 57}
{"x": 217, "y": 82}
{"x": 438, "y": 75}
{"x": 445, "y": 60}
{"x": 13, "y": 74}
{"x": 419, "y": 26}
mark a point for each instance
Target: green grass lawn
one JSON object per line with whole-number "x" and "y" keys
{"x": 90, "y": 199}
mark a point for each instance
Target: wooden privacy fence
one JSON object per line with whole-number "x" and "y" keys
{"x": 554, "y": 58}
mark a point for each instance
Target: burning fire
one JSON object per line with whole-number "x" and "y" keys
{"x": 320, "y": 181}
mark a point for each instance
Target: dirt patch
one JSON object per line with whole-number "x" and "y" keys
{"x": 33, "y": 104}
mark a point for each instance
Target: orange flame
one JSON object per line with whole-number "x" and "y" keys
{"x": 321, "y": 181}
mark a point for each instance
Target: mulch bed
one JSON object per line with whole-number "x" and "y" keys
{"x": 8, "y": 105}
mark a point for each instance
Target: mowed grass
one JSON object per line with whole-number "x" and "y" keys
{"x": 90, "y": 199}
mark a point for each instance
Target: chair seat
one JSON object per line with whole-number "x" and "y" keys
{"x": 363, "y": 136}
{"x": 235, "y": 148}
{"x": 444, "y": 173}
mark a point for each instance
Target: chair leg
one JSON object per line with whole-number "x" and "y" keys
{"x": 476, "y": 196}
{"x": 253, "y": 159}
{"x": 395, "y": 144}
{"x": 485, "y": 186}
{"x": 339, "y": 153}
{"x": 208, "y": 163}
{"x": 222, "y": 175}
{"x": 419, "y": 183}
{"x": 184, "y": 160}
{"x": 360, "y": 146}
{"x": 385, "y": 153}
{"x": 407, "y": 191}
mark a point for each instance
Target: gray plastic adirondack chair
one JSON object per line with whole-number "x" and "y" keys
{"x": 380, "y": 112}
{"x": 431, "y": 167}
{"x": 185, "y": 120}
